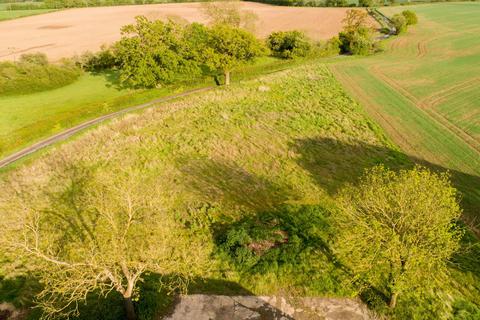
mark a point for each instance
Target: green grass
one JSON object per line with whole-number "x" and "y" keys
{"x": 261, "y": 156}
{"x": 13, "y": 14}
{"x": 26, "y": 119}
{"x": 424, "y": 90}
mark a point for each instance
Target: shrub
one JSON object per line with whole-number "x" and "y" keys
{"x": 289, "y": 44}
{"x": 410, "y": 16}
{"x": 330, "y": 47}
{"x": 101, "y": 60}
{"x": 33, "y": 73}
{"x": 400, "y": 23}
{"x": 358, "y": 42}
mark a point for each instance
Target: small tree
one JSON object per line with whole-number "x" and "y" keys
{"x": 289, "y": 44}
{"x": 230, "y": 13}
{"x": 399, "y": 22}
{"x": 86, "y": 231}
{"x": 355, "y": 19}
{"x": 357, "y": 36}
{"x": 410, "y": 16}
{"x": 153, "y": 52}
{"x": 396, "y": 230}
{"x": 228, "y": 47}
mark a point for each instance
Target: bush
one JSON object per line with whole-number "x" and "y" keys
{"x": 330, "y": 47}
{"x": 410, "y": 17}
{"x": 102, "y": 60}
{"x": 400, "y": 23}
{"x": 33, "y": 73}
{"x": 289, "y": 44}
{"x": 357, "y": 42}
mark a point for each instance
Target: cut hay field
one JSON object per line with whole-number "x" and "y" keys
{"x": 424, "y": 90}
{"x": 68, "y": 32}
{"x": 287, "y": 139}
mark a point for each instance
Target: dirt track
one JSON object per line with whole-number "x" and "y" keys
{"x": 69, "y": 32}
{"x": 90, "y": 123}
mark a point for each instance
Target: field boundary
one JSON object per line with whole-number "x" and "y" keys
{"x": 90, "y": 123}
{"x": 440, "y": 119}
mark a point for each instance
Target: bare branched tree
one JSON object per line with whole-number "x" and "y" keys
{"x": 96, "y": 231}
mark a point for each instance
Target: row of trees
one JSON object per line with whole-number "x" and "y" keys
{"x": 153, "y": 53}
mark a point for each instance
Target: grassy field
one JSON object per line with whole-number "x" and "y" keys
{"x": 26, "y": 119}
{"x": 12, "y": 14}
{"x": 424, "y": 89}
{"x": 271, "y": 151}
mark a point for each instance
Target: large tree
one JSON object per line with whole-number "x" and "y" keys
{"x": 228, "y": 47}
{"x": 153, "y": 52}
{"x": 92, "y": 230}
{"x": 397, "y": 230}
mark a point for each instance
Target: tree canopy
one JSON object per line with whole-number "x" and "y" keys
{"x": 153, "y": 52}
{"x": 289, "y": 44}
{"x": 227, "y": 47}
{"x": 397, "y": 230}
{"x": 86, "y": 231}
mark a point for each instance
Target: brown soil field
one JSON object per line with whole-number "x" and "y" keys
{"x": 74, "y": 31}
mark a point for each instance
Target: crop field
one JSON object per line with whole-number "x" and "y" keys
{"x": 77, "y": 30}
{"x": 424, "y": 90}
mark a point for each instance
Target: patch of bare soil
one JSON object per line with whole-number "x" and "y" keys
{"x": 75, "y": 31}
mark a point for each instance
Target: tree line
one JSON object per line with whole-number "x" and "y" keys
{"x": 154, "y": 53}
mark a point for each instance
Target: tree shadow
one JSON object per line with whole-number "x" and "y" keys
{"x": 112, "y": 79}
{"x": 222, "y": 182}
{"x": 332, "y": 164}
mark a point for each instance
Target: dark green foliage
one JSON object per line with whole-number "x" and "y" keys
{"x": 399, "y": 22}
{"x": 289, "y": 44}
{"x": 291, "y": 245}
{"x": 465, "y": 310}
{"x": 153, "y": 52}
{"x": 336, "y": 3}
{"x": 330, "y": 47}
{"x": 33, "y": 73}
{"x": 410, "y": 17}
{"x": 357, "y": 42}
{"x": 366, "y": 3}
{"x": 101, "y": 60}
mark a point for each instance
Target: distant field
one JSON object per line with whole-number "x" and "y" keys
{"x": 73, "y": 31}
{"x": 12, "y": 14}
{"x": 425, "y": 89}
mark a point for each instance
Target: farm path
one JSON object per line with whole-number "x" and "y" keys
{"x": 88, "y": 124}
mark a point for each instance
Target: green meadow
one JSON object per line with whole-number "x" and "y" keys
{"x": 260, "y": 156}
{"x": 29, "y": 118}
{"x": 423, "y": 90}
{"x": 266, "y": 157}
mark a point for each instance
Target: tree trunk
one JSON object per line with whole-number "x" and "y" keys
{"x": 227, "y": 78}
{"x": 129, "y": 308}
{"x": 393, "y": 300}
